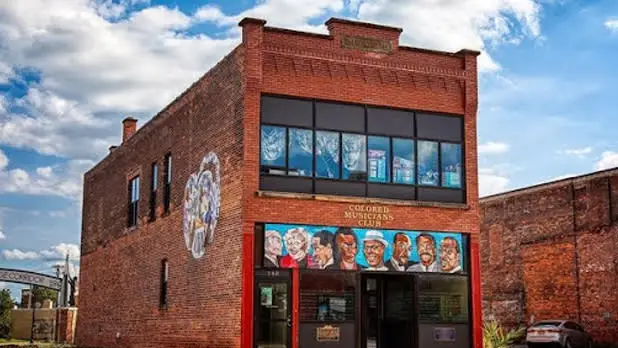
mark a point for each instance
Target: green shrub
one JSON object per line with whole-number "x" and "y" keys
{"x": 495, "y": 336}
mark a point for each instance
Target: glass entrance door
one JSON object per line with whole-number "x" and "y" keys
{"x": 388, "y": 304}
{"x": 273, "y": 315}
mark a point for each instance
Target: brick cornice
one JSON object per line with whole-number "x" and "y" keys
{"x": 365, "y": 62}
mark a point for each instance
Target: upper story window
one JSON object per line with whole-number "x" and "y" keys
{"x": 133, "y": 201}
{"x": 154, "y": 185}
{"x": 168, "y": 183}
{"x": 346, "y": 149}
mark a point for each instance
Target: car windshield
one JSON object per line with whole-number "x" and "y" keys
{"x": 547, "y": 323}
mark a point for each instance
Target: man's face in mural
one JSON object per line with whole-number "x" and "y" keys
{"x": 449, "y": 254}
{"x": 401, "y": 250}
{"x": 347, "y": 247}
{"x": 322, "y": 253}
{"x": 374, "y": 252}
{"x": 273, "y": 245}
{"x": 426, "y": 250}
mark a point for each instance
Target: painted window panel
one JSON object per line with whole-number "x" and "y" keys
{"x": 378, "y": 157}
{"x": 428, "y": 173}
{"x": 273, "y": 146}
{"x": 354, "y": 147}
{"x": 355, "y": 249}
{"x": 403, "y": 161}
{"x": 300, "y": 150}
{"x": 327, "y": 154}
{"x": 451, "y": 165}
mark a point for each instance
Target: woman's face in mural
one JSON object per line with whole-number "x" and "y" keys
{"x": 347, "y": 248}
{"x": 449, "y": 256}
{"x": 296, "y": 244}
{"x": 374, "y": 252}
{"x": 426, "y": 250}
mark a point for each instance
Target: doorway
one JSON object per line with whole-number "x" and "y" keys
{"x": 387, "y": 311}
{"x": 273, "y": 309}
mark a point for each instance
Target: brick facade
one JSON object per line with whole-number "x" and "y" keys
{"x": 211, "y": 299}
{"x": 554, "y": 249}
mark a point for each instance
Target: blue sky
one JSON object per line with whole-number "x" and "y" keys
{"x": 70, "y": 70}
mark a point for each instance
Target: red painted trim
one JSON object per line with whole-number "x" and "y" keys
{"x": 477, "y": 310}
{"x": 295, "y": 307}
{"x": 246, "y": 325}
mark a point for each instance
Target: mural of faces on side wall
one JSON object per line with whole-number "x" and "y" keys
{"x": 202, "y": 199}
{"x": 324, "y": 247}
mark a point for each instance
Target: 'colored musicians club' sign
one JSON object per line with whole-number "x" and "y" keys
{"x": 370, "y": 249}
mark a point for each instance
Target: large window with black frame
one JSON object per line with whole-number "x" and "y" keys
{"x": 321, "y": 147}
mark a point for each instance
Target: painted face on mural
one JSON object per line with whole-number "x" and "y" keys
{"x": 347, "y": 247}
{"x": 322, "y": 253}
{"x": 274, "y": 246}
{"x": 374, "y": 252}
{"x": 426, "y": 249}
{"x": 449, "y": 255}
{"x": 401, "y": 250}
{"x": 296, "y": 243}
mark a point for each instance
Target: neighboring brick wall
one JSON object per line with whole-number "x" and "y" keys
{"x": 120, "y": 267}
{"x": 552, "y": 251}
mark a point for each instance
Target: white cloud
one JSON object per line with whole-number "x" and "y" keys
{"x": 2, "y": 235}
{"x": 62, "y": 180}
{"x": 609, "y": 159}
{"x": 17, "y": 254}
{"x": 455, "y": 24}
{"x": 56, "y": 252}
{"x": 493, "y": 148}
{"x": 612, "y": 25}
{"x": 60, "y": 251}
{"x": 491, "y": 181}
{"x": 581, "y": 152}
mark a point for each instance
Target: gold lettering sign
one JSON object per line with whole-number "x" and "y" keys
{"x": 327, "y": 333}
{"x": 367, "y": 44}
{"x": 368, "y": 215}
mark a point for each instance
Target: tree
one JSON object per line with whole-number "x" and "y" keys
{"x": 41, "y": 294}
{"x": 6, "y": 304}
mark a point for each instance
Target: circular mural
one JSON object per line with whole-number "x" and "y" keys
{"x": 202, "y": 199}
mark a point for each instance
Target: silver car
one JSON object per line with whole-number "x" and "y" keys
{"x": 558, "y": 333}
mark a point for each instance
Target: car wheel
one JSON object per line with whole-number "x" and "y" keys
{"x": 589, "y": 345}
{"x": 567, "y": 343}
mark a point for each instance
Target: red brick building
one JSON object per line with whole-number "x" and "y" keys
{"x": 550, "y": 251}
{"x": 308, "y": 191}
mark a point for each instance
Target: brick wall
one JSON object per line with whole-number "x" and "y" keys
{"x": 289, "y": 63}
{"x": 120, "y": 266}
{"x": 551, "y": 251}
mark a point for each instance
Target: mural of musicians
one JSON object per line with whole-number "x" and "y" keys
{"x": 297, "y": 244}
{"x": 400, "y": 259}
{"x": 373, "y": 249}
{"x": 323, "y": 243}
{"x": 426, "y": 247}
{"x": 347, "y": 247}
{"x": 450, "y": 252}
{"x": 273, "y": 248}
